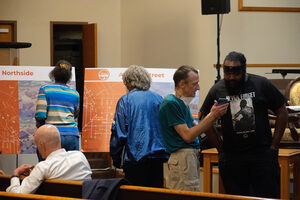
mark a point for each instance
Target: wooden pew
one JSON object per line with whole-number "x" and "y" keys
{"x": 16, "y": 196}
{"x": 147, "y": 193}
{"x": 64, "y": 189}
{"x": 74, "y": 189}
{"x": 61, "y": 188}
{"x": 51, "y": 187}
{"x": 4, "y": 182}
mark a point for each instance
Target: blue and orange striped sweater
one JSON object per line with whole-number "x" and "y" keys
{"x": 57, "y": 104}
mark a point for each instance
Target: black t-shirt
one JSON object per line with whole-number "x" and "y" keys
{"x": 245, "y": 126}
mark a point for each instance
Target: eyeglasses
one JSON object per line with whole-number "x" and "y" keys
{"x": 234, "y": 69}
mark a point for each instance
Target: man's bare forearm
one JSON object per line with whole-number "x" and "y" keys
{"x": 215, "y": 139}
{"x": 280, "y": 125}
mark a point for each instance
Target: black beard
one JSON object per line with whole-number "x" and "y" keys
{"x": 235, "y": 87}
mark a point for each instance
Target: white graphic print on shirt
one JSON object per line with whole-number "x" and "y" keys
{"x": 242, "y": 113}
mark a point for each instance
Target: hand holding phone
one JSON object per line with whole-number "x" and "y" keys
{"x": 222, "y": 101}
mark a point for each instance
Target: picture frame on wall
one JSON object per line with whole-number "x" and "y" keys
{"x": 269, "y": 6}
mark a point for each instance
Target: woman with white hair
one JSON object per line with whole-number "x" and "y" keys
{"x": 136, "y": 143}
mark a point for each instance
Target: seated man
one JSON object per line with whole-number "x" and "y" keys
{"x": 58, "y": 163}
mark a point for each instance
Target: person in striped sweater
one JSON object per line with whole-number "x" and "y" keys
{"x": 58, "y": 105}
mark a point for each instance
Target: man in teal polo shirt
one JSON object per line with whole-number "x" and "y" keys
{"x": 180, "y": 130}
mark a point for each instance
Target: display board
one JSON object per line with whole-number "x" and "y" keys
{"x": 102, "y": 89}
{"x": 18, "y": 95}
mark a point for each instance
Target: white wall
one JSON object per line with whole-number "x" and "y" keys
{"x": 33, "y": 23}
{"x": 170, "y": 33}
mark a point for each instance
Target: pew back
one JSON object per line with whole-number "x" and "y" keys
{"x": 4, "y": 182}
{"x": 147, "y": 193}
{"x": 51, "y": 187}
{"x": 16, "y": 196}
{"x": 61, "y": 188}
{"x": 74, "y": 189}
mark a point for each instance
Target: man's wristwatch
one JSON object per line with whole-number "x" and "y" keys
{"x": 15, "y": 176}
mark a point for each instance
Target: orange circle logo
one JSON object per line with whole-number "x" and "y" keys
{"x": 103, "y": 74}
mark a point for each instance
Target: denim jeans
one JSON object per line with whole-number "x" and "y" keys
{"x": 69, "y": 142}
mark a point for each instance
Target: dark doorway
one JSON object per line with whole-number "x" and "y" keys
{"x": 69, "y": 42}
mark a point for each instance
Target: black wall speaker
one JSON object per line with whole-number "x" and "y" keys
{"x": 215, "y": 7}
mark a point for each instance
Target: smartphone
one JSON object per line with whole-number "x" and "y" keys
{"x": 222, "y": 101}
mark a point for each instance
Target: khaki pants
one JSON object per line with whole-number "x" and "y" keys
{"x": 183, "y": 170}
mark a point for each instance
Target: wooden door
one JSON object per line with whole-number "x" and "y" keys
{"x": 8, "y": 33}
{"x": 89, "y": 45}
